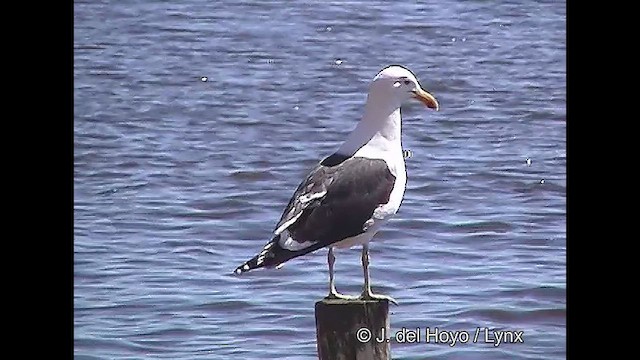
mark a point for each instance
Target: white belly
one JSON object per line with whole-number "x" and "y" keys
{"x": 358, "y": 239}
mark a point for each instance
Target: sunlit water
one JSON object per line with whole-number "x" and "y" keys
{"x": 179, "y": 180}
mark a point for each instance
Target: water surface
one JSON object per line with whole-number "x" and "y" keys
{"x": 179, "y": 180}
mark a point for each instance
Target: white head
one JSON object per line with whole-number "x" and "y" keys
{"x": 379, "y": 131}
{"x": 399, "y": 83}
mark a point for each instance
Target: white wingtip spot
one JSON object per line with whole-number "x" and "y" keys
{"x": 245, "y": 267}
{"x": 238, "y": 271}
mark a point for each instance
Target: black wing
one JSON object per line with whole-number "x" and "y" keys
{"x": 333, "y": 203}
{"x": 352, "y": 190}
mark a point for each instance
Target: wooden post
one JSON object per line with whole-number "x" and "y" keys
{"x": 338, "y": 329}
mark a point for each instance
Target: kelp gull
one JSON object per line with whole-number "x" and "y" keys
{"x": 347, "y": 197}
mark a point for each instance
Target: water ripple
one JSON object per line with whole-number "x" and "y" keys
{"x": 179, "y": 180}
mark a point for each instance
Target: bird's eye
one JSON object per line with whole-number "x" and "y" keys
{"x": 407, "y": 82}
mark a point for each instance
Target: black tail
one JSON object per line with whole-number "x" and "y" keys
{"x": 272, "y": 255}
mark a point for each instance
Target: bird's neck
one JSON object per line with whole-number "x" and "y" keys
{"x": 378, "y": 132}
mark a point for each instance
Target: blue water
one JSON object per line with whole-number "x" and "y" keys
{"x": 179, "y": 180}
